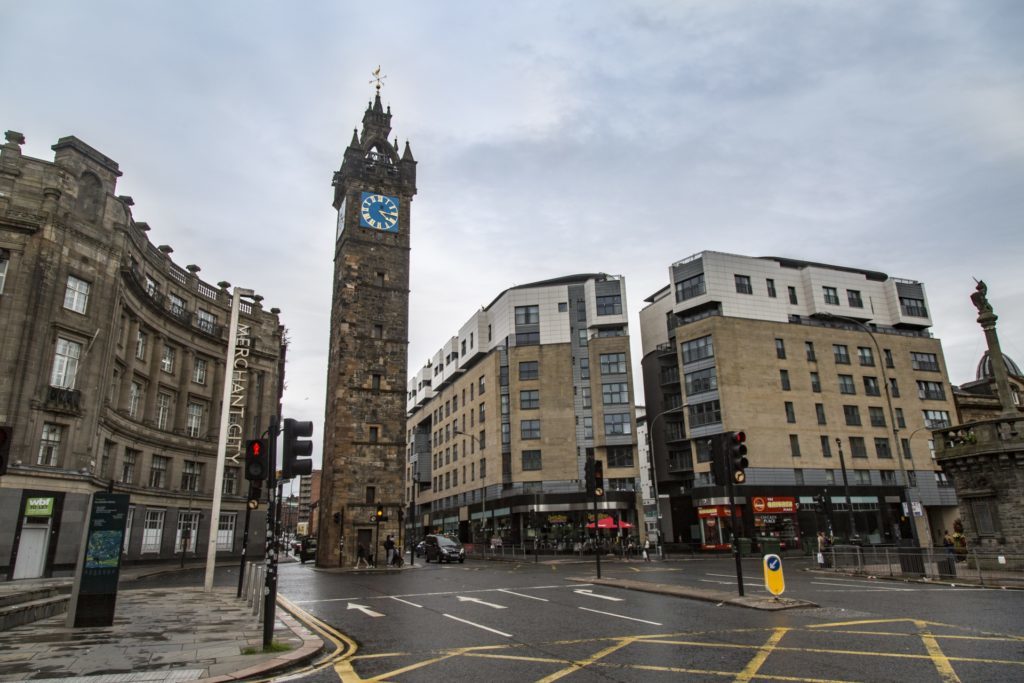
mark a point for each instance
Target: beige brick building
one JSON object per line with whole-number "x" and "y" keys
{"x": 503, "y": 417}
{"x": 112, "y": 368}
{"x": 821, "y": 366}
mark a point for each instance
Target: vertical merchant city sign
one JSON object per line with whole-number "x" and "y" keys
{"x": 239, "y": 380}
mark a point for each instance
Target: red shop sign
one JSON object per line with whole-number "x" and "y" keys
{"x": 773, "y": 504}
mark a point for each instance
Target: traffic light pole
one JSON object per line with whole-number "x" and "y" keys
{"x": 270, "y": 583}
{"x": 597, "y": 539}
{"x": 245, "y": 544}
{"x": 735, "y": 538}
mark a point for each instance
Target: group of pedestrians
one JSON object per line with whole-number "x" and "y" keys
{"x": 393, "y": 558}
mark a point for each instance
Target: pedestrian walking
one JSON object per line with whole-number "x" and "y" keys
{"x": 361, "y": 556}
{"x": 647, "y": 550}
{"x": 822, "y": 548}
{"x": 389, "y": 551}
{"x": 947, "y": 543}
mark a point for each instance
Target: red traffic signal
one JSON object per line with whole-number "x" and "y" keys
{"x": 256, "y": 459}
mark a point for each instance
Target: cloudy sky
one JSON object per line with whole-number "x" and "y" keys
{"x": 552, "y": 138}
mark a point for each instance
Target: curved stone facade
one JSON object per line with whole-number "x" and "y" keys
{"x": 112, "y": 362}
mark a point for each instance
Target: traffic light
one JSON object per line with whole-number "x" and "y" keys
{"x": 380, "y": 516}
{"x": 598, "y": 478}
{"x": 819, "y": 503}
{"x": 296, "y": 446}
{"x": 736, "y": 454}
{"x": 256, "y": 459}
{"x": 255, "y": 491}
{"x": 6, "y": 434}
{"x": 719, "y": 459}
{"x": 588, "y": 475}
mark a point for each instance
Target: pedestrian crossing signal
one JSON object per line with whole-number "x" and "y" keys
{"x": 256, "y": 459}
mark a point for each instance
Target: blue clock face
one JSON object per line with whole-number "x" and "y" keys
{"x": 379, "y": 212}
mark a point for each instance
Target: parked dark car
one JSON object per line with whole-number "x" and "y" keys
{"x": 307, "y": 551}
{"x": 443, "y": 549}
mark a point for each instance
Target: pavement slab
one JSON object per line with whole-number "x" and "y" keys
{"x": 165, "y": 634}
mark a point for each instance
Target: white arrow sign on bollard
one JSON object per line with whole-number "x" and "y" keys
{"x": 364, "y": 609}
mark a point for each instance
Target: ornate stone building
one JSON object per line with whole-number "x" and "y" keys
{"x": 112, "y": 367}
{"x": 983, "y": 454}
{"x": 364, "y": 431}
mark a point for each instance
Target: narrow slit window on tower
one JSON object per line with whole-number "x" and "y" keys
{"x": 378, "y": 332}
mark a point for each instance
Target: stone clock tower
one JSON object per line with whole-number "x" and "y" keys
{"x": 364, "y": 432}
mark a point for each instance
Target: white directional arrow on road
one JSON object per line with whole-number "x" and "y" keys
{"x": 364, "y": 609}
{"x": 463, "y": 598}
{"x": 592, "y": 594}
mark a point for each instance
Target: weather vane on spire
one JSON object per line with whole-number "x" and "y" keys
{"x": 377, "y": 78}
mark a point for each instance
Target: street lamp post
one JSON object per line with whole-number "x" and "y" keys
{"x": 846, "y": 490}
{"x": 412, "y": 521}
{"x": 654, "y": 468}
{"x": 892, "y": 418}
{"x": 483, "y": 483}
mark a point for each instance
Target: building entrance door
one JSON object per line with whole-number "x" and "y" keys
{"x": 32, "y": 547}
{"x": 364, "y": 537}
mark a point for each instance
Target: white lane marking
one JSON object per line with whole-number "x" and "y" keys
{"x": 854, "y": 590}
{"x": 364, "y": 609}
{"x": 620, "y": 616}
{"x": 486, "y": 628}
{"x": 463, "y": 598}
{"x": 592, "y": 594}
{"x": 523, "y": 595}
{"x": 864, "y": 585}
{"x": 427, "y": 595}
{"x": 405, "y": 601}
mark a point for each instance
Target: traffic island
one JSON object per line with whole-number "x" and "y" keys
{"x": 766, "y": 603}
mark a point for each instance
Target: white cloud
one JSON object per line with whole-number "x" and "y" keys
{"x": 552, "y": 138}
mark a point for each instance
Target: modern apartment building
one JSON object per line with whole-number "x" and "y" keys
{"x": 824, "y": 368}
{"x": 502, "y": 418}
{"x": 112, "y": 370}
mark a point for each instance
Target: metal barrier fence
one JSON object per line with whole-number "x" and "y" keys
{"x": 971, "y": 566}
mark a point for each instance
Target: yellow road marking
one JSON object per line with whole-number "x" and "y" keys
{"x": 517, "y": 658}
{"x": 728, "y": 674}
{"x": 754, "y": 665}
{"x": 821, "y": 650}
{"x": 899, "y": 634}
{"x": 916, "y": 622}
{"x": 942, "y": 664}
{"x": 581, "y": 664}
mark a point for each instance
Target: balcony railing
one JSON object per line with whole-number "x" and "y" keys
{"x": 59, "y": 398}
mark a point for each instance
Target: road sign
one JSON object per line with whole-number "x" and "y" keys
{"x": 774, "y": 581}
